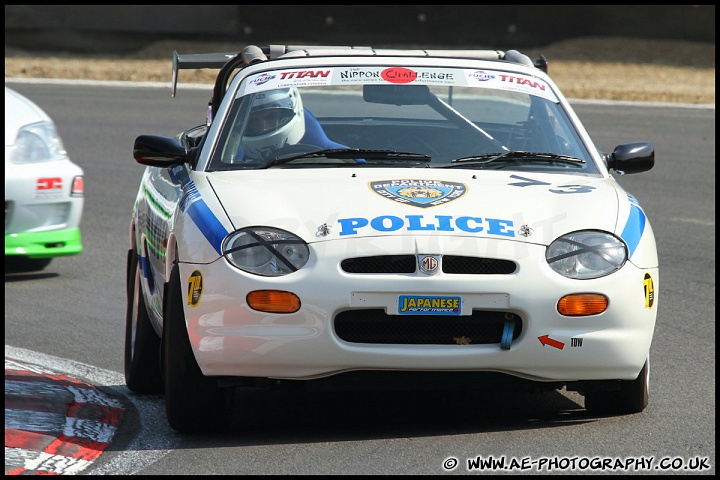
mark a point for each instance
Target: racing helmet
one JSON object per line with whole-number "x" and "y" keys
{"x": 276, "y": 119}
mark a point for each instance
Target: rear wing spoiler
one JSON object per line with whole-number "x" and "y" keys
{"x": 195, "y": 61}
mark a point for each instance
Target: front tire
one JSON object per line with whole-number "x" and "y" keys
{"x": 631, "y": 396}
{"x": 193, "y": 402}
{"x": 142, "y": 343}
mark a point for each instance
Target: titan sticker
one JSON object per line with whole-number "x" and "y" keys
{"x": 195, "y": 288}
{"x": 649, "y": 291}
{"x": 419, "y": 193}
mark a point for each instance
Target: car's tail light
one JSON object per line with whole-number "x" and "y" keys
{"x": 78, "y": 187}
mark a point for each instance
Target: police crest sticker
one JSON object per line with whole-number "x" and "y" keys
{"x": 419, "y": 193}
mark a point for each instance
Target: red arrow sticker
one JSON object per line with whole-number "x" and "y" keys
{"x": 546, "y": 340}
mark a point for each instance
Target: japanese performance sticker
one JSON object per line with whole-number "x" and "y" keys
{"x": 428, "y": 305}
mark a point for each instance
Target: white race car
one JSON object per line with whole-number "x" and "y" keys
{"x": 44, "y": 189}
{"x": 362, "y": 217}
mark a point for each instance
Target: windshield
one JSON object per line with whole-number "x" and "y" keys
{"x": 458, "y": 118}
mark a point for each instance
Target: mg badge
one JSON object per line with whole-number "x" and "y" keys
{"x": 429, "y": 264}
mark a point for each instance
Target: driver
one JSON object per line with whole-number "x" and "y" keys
{"x": 276, "y": 120}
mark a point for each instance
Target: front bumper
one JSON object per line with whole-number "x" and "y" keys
{"x": 231, "y": 339}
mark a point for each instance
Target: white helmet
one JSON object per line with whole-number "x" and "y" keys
{"x": 276, "y": 119}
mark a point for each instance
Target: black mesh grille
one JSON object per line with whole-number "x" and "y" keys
{"x": 477, "y": 265}
{"x": 451, "y": 264}
{"x": 380, "y": 264}
{"x": 375, "y": 326}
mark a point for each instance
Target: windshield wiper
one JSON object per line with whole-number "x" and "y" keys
{"x": 502, "y": 159}
{"x": 360, "y": 155}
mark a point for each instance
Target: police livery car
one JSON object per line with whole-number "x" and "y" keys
{"x": 361, "y": 217}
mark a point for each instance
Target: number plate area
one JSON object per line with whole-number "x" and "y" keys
{"x": 428, "y": 304}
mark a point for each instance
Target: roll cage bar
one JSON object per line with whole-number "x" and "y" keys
{"x": 251, "y": 54}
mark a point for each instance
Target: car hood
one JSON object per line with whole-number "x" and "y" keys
{"x": 332, "y": 203}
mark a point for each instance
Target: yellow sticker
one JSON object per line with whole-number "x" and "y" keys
{"x": 649, "y": 291}
{"x": 195, "y": 288}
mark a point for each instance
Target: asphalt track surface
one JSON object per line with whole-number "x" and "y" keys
{"x": 56, "y": 423}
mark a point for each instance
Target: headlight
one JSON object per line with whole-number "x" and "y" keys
{"x": 266, "y": 251}
{"x": 38, "y": 142}
{"x": 587, "y": 254}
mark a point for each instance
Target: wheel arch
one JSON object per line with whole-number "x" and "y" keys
{"x": 132, "y": 234}
{"x": 171, "y": 258}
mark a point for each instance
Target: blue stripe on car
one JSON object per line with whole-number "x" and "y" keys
{"x": 198, "y": 211}
{"x": 633, "y": 228}
{"x": 208, "y": 224}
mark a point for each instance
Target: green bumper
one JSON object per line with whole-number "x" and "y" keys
{"x": 58, "y": 243}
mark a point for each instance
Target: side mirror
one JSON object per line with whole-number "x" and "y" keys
{"x": 633, "y": 157}
{"x": 156, "y": 151}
